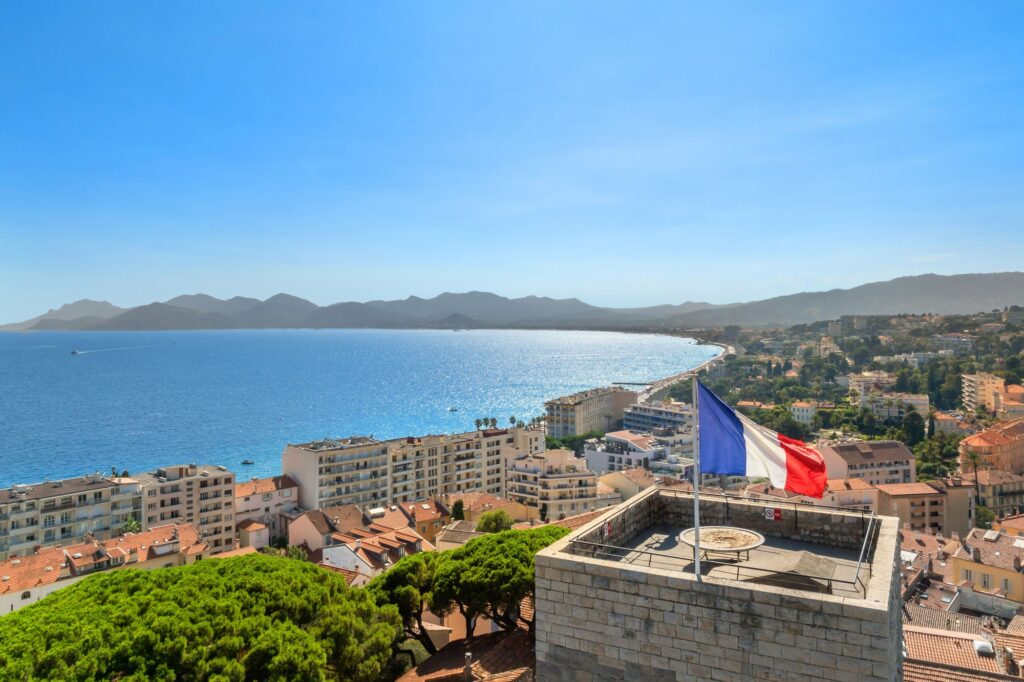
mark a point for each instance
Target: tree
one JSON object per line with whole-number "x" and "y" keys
{"x": 408, "y": 586}
{"x": 494, "y": 423}
{"x": 913, "y": 428}
{"x": 458, "y": 511}
{"x": 479, "y": 423}
{"x": 512, "y": 420}
{"x": 494, "y": 522}
{"x": 298, "y": 553}
{"x": 489, "y": 575}
{"x": 131, "y": 525}
{"x": 253, "y": 617}
{"x": 975, "y": 461}
{"x": 983, "y": 517}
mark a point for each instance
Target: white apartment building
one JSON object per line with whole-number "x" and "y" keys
{"x": 866, "y": 382}
{"x": 803, "y": 412}
{"x": 555, "y": 482}
{"x": 598, "y": 410}
{"x": 895, "y": 405}
{"x": 623, "y": 450}
{"x": 200, "y": 494}
{"x": 65, "y": 511}
{"x": 647, "y": 417}
{"x": 365, "y": 471}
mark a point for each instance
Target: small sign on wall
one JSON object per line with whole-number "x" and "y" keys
{"x": 771, "y": 514}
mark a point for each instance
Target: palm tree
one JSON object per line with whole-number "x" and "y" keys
{"x": 478, "y": 423}
{"x": 512, "y": 420}
{"x": 974, "y": 459}
{"x": 494, "y": 423}
{"x": 131, "y": 526}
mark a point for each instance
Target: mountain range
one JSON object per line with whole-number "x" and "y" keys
{"x": 944, "y": 294}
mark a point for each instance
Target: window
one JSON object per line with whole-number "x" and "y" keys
{"x": 267, "y": 496}
{"x": 26, "y": 595}
{"x": 1006, "y": 586}
{"x": 968, "y": 575}
{"x": 986, "y": 581}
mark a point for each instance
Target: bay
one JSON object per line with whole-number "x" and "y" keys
{"x": 138, "y": 400}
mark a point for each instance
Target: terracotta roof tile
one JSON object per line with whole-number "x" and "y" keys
{"x": 948, "y": 648}
{"x": 258, "y": 486}
{"x": 496, "y": 656}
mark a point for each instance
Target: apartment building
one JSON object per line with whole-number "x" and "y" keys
{"x": 979, "y": 390}
{"x": 200, "y": 494}
{"x": 368, "y": 472}
{"x": 960, "y": 344}
{"x": 1000, "y": 447}
{"x": 803, "y": 412}
{"x": 850, "y": 493}
{"x": 1001, "y": 491}
{"x": 877, "y": 462}
{"x": 1009, "y": 403}
{"x": 555, "y": 482}
{"x": 269, "y": 501}
{"x": 598, "y": 410}
{"x": 623, "y": 450}
{"x": 946, "y": 422}
{"x": 928, "y": 506}
{"x": 657, "y": 415}
{"x": 896, "y": 405}
{"x": 65, "y": 511}
{"x": 990, "y": 560}
{"x": 476, "y": 504}
{"x": 866, "y": 382}
{"x": 629, "y": 482}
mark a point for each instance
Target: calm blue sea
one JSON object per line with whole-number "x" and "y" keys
{"x": 137, "y": 400}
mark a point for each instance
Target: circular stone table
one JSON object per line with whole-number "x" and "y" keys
{"x": 724, "y": 540}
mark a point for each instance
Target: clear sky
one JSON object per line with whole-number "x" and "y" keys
{"x": 624, "y": 153}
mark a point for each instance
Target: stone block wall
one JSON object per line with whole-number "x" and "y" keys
{"x": 598, "y": 621}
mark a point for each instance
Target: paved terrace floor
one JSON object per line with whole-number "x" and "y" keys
{"x": 659, "y": 547}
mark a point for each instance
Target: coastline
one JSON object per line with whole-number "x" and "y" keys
{"x": 663, "y": 385}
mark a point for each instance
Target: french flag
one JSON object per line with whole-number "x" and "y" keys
{"x": 730, "y": 443}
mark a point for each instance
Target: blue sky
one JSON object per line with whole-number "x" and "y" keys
{"x": 623, "y": 153}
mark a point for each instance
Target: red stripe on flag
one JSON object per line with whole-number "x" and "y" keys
{"x": 805, "y": 468}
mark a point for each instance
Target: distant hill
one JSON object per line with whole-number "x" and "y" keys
{"x": 52, "y": 319}
{"x": 477, "y": 309}
{"x": 942, "y": 294}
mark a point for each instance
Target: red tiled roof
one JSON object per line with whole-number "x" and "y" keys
{"x": 259, "y": 486}
{"x": 840, "y": 484}
{"x": 947, "y": 648}
{"x": 251, "y": 524}
{"x": 23, "y": 573}
{"x": 899, "y": 489}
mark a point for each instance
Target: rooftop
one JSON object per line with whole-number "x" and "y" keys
{"x": 907, "y": 489}
{"x": 816, "y": 557}
{"x": 870, "y": 452}
{"x": 61, "y": 488}
{"x": 258, "y": 486}
{"x": 835, "y": 485}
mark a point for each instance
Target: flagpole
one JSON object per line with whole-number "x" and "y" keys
{"x": 696, "y": 483}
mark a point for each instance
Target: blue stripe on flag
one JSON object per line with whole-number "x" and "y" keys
{"x": 722, "y": 450}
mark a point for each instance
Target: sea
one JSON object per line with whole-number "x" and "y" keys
{"x": 138, "y": 400}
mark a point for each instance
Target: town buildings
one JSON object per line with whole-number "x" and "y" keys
{"x": 555, "y": 482}
{"x": 850, "y": 493}
{"x": 946, "y": 422}
{"x": 877, "y": 462}
{"x": 920, "y": 506}
{"x": 476, "y": 504}
{"x": 990, "y": 560}
{"x": 629, "y": 482}
{"x": 202, "y": 495}
{"x": 365, "y": 471}
{"x": 999, "y": 447}
{"x": 1002, "y": 492}
{"x": 979, "y": 390}
{"x": 271, "y": 502}
{"x": 896, "y": 405}
{"x": 66, "y": 511}
{"x": 647, "y": 417}
{"x": 623, "y": 450}
{"x": 372, "y": 549}
{"x": 960, "y": 344}
{"x": 27, "y": 579}
{"x": 803, "y": 412}
{"x": 315, "y": 529}
{"x": 597, "y": 410}
{"x": 867, "y": 382}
